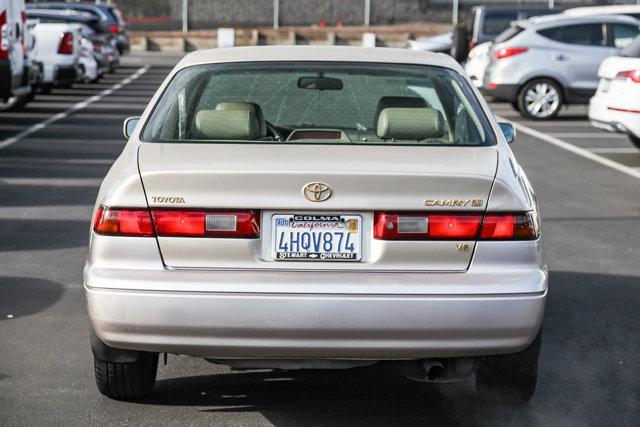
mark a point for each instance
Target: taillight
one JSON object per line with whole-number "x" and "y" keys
{"x": 4, "y": 36}
{"x": 177, "y": 223}
{"x": 432, "y": 226}
{"x": 629, "y": 75}
{"x": 114, "y": 28}
{"x": 507, "y": 52}
{"x": 207, "y": 223}
{"x": 510, "y": 226}
{"x": 471, "y": 45}
{"x": 123, "y": 222}
{"x": 458, "y": 226}
{"x": 66, "y": 44}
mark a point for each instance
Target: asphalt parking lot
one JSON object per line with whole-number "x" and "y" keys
{"x": 53, "y": 156}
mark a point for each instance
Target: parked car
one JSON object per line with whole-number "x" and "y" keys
{"x": 105, "y": 52}
{"x": 440, "y": 43}
{"x": 420, "y": 244}
{"x": 616, "y": 105}
{"x": 632, "y": 10}
{"x": 58, "y": 50}
{"x": 543, "y": 63}
{"x": 485, "y": 23}
{"x": 16, "y": 72}
{"x": 109, "y": 14}
{"x": 88, "y": 62}
{"x": 477, "y": 62}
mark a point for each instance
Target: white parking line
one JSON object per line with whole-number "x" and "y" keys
{"x": 79, "y": 106}
{"x": 53, "y": 161}
{"x": 633, "y": 172}
{"x": 53, "y": 182}
{"x": 615, "y": 150}
{"x": 587, "y": 135}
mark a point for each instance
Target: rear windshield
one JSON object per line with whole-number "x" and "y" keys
{"x": 508, "y": 34}
{"x": 497, "y": 22}
{"x": 318, "y": 102}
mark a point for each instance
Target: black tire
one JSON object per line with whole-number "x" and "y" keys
{"x": 509, "y": 378}
{"x": 531, "y": 85}
{"x": 460, "y": 43}
{"x": 634, "y": 139}
{"x": 14, "y": 103}
{"x": 127, "y": 381}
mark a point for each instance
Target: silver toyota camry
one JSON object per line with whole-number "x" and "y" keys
{"x": 317, "y": 207}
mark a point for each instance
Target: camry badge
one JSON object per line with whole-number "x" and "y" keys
{"x": 316, "y": 191}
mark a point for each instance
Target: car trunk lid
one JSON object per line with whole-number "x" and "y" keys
{"x": 270, "y": 178}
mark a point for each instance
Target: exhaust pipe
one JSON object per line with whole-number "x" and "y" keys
{"x": 434, "y": 369}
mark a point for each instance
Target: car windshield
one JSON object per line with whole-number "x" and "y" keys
{"x": 319, "y": 102}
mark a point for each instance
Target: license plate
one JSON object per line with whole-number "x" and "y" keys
{"x": 302, "y": 237}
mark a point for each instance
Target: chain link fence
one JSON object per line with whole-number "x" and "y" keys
{"x": 149, "y": 15}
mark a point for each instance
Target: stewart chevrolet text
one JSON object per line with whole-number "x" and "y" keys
{"x": 312, "y": 207}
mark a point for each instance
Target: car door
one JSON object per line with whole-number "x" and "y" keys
{"x": 579, "y": 50}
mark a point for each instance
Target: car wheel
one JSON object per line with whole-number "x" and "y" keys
{"x": 509, "y": 378}
{"x": 540, "y": 99}
{"x": 635, "y": 139}
{"x": 459, "y": 45}
{"x": 14, "y": 103}
{"x": 128, "y": 380}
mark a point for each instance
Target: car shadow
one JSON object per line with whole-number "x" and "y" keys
{"x": 23, "y": 296}
{"x": 40, "y": 234}
{"x": 588, "y": 374}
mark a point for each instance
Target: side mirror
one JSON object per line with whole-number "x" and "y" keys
{"x": 508, "y": 131}
{"x": 129, "y": 126}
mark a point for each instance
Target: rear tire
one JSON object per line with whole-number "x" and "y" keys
{"x": 127, "y": 381}
{"x": 540, "y": 99}
{"x": 634, "y": 139}
{"x": 14, "y": 103}
{"x": 460, "y": 43}
{"x": 509, "y": 378}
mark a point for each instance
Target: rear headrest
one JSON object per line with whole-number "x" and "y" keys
{"x": 255, "y": 108}
{"x": 398, "y": 102}
{"x": 410, "y": 123}
{"x": 229, "y": 124}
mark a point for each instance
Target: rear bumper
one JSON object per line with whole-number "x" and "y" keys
{"x": 494, "y": 307}
{"x": 501, "y": 92}
{"x": 67, "y": 74}
{"x": 620, "y": 118}
{"x": 6, "y": 79}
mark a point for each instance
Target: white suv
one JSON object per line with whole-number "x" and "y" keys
{"x": 543, "y": 63}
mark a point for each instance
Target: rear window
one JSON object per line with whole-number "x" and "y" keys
{"x": 318, "y": 102}
{"x": 508, "y": 34}
{"x": 633, "y": 50}
{"x": 496, "y": 22}
{"x": 622, "y": 35}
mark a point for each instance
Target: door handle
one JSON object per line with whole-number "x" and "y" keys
{"x": 561, "y": 57}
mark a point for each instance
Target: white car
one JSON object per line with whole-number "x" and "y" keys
{"x": 88, "y": 62}
{"x": 14, "y": 80}
{"x": 616, "y": 104}
{"x": 632, "y": 10}
{"x": 438, "y": 43}
{"x": 478, "y": 60}
{"x": 317, "y": 207}
{"x": 58, "y": 49}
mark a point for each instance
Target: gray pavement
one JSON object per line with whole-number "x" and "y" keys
{"x": 590, "y": 365}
